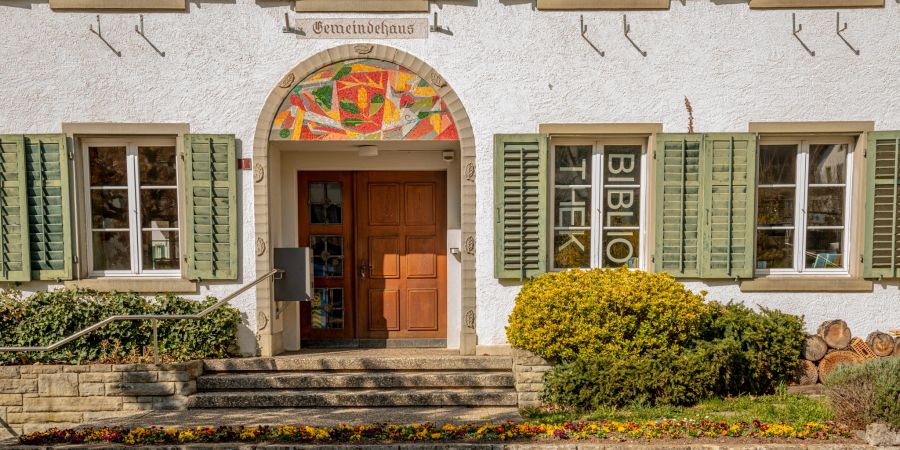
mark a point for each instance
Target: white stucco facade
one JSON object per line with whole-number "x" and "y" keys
{"x": 512, "y": 66}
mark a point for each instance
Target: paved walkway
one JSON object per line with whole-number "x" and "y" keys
{"x": 314, "y": 416}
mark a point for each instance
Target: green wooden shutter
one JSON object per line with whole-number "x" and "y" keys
{"x": 15, "y": 258}
{"x": 211, "y": 204}
{"x": 729, "y": 205}
{"x": 678, "y": 197}
{"x": 520, "y": 201}
{"x": 882, "y": 253}
{"x": 49, "y": 211}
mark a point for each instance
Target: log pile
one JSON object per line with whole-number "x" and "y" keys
{"x": 833, "y": 345}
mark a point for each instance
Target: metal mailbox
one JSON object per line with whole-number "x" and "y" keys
{"x": 296, "y": 281}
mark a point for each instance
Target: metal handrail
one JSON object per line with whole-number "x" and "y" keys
{"x": 155, "y": 318}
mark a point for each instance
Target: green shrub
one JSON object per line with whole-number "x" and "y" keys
{"x": 737, "y": 351}
{"x": 48, "y": 316}
{"x": 762, "y": 349}
{"x": 866, "y": 393}
{"x": 599, "y": 312}
{"x": 656, "y": 378}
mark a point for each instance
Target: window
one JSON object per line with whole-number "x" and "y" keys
{"x": 597, "y": 204}
{"x": 602, "y": 4}
{"x": 361, "y": 6}
{"x": 816, "y": 3}
{"x": 119, "y": 4}
{"x": 132, "y": 207}
{"x": 803, "y": 200}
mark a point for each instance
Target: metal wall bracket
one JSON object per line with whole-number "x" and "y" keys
{"x": 140, "y": 30}
{"x": 287, "y": 28}
{"x": 584, "y": 36}
{"x": 437, "y": 28}
{"x": 797, "y": 29}
{"x": 99, "y": 34}
{"x": 626, "y": 29}
{"x": 840, "y": 30}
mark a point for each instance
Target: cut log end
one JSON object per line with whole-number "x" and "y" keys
{"x": 835, "y": 359}
{"x": 809, "y": 373}
{"x": 882, "y": 344}
{"x": 815, "y": 348}
{"x": 836, "y": 334}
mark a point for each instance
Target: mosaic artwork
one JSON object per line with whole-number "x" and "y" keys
{"x": 363, "y": 99}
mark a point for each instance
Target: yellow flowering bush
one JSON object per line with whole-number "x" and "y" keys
{"x": 584, "y": 313}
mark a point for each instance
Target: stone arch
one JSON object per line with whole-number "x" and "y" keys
{"x": 268, "y": 326}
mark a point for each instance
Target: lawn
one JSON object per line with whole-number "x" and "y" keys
{"x": 791, "y": 409}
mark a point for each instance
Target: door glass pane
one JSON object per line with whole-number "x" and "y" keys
{"x": 620, "y": 248}
{"x": 159, "y": 250}
{"x": 109, "y": 208}
{"x": 327, "y": 307}
{"x": 159, "y": 208}
{"x": 157, "y": 166}
{"x": 111, "y": 250}
{"x": 328, "y": 255}
{"x": 774, "y": 249}
{"x": 824, "y": 249}
{"x": 777, "y": 164}
{"x": 826, "y": 206}
{"x": 107, "y": 166}
{"x": 572, "y": 248}
{"x": 325, "y": 203}
{"x": 827, "y": 163}
{"x": 776, "y": 207}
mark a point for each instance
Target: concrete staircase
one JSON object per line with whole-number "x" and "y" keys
{"x": 357, "y": 379}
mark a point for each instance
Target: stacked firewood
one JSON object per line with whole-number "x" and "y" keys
{"x": 834, "y": 345}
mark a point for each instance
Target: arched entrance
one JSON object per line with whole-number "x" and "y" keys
{"x": 427, "y": 118}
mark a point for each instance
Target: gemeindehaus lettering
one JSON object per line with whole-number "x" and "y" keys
{"x": 363, "y": 28}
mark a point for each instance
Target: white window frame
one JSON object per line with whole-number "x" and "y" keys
{"x": 131, "y": 145}
{"x": 597, "y": 184}
{"x": 801, "y": 197}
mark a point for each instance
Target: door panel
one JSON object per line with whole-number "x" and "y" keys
{"x": 384, "y": 309}
{"x": 401, "y": 242}
{"x": 325, "y": 216}
{"x": 422, "y": 309}
{"x": 384, "y": 257}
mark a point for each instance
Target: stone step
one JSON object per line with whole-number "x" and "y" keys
{"x": 332, "y": 380}
{"x": 355, "y": 398}
{"x": 360, "y": 363}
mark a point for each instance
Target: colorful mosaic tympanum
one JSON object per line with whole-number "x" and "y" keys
{"x": 363, "y": 99}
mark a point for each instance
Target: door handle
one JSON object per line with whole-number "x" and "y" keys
{"x": 362, "y": 269}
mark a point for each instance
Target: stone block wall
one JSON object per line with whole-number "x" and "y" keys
{"x": 38, "y": 397}
{"x": 529, "y": 370}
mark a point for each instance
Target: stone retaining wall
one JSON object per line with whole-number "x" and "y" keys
{"x": 529, "y": 370}
{"x": 34, "y": 398}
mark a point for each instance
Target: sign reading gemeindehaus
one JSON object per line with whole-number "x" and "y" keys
{"x": 363, "y": 28}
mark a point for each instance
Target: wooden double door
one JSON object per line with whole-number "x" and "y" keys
{"x": 378, "y": 244}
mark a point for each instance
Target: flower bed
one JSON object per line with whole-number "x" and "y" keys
{"x": 665, "y": 429}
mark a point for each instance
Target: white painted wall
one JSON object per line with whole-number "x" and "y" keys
{"x": 513, "y": 68}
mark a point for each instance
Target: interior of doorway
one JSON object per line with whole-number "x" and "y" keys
{"x": 289, "y": 158}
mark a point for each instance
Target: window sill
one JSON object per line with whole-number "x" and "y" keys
{"x": 602, "y": 4}
{"x": 140, "y": 285}
{"x": 806, "y": 284}
{"x": 816, "y": 3}
{"x": 361, "y": 6}
{"x": 130, "y": 5}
